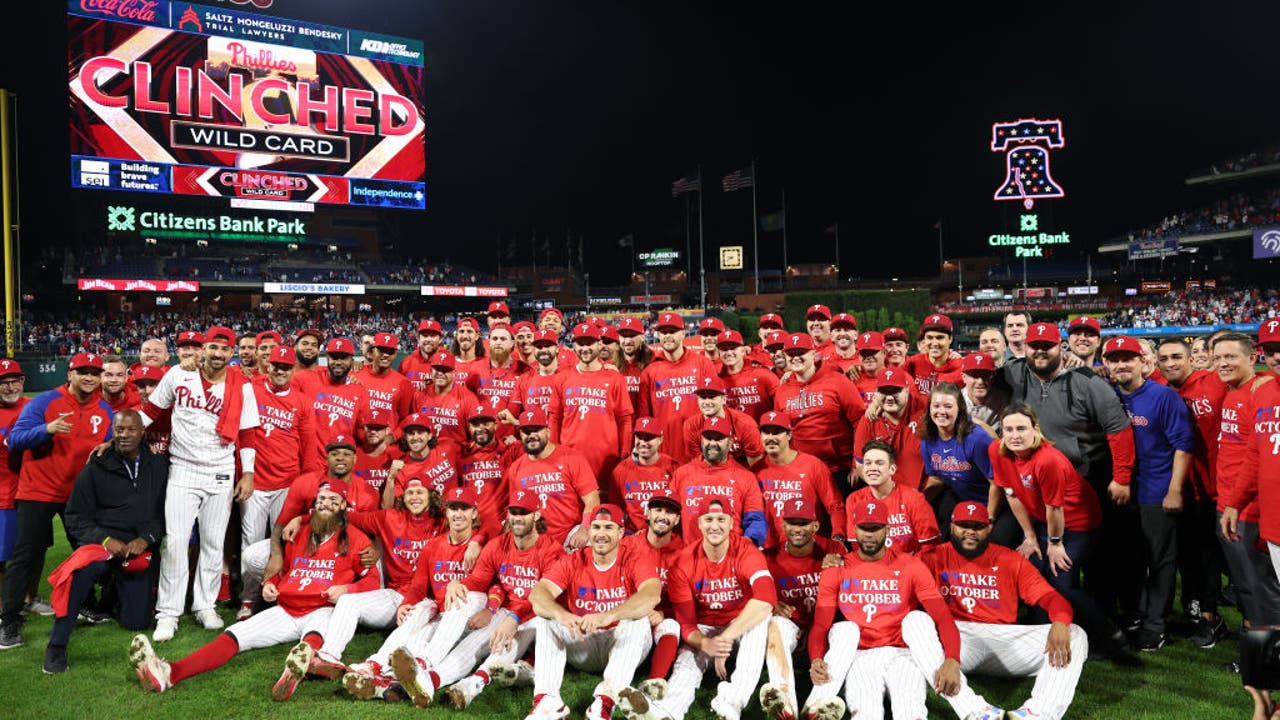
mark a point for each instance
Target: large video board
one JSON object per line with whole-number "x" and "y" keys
{"x": 175, "y": 97}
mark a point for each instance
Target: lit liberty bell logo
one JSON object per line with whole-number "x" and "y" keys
{"x": 1026, "y": 145}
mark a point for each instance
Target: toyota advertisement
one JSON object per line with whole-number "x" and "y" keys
{"x": 176, "y": 97}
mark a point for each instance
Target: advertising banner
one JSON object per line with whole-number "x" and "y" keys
{"x": 1152, "y": 249}
{"x": 314, "y": 288}
{"x": 1266, "y": 243}
{"x": 150, "y": 286}
{"x": 463, "y": 291}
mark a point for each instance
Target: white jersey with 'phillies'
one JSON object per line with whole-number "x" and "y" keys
{"x": 196, "y": 407}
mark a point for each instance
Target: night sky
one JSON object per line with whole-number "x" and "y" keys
{"x": 576, "y": 117}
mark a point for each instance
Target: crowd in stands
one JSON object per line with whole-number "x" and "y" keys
{"x": 1201, "y": 308}
{"x": 422, "y": 273}
{"x": 1269, "y": 155}
{"x": 1238, "y": 212}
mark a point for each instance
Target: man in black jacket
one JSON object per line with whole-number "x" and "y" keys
{"x": 117, "y": 503}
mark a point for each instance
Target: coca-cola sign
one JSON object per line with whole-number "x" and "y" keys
{"x": 136, "y": 285}
{"x": 136, "y": 10}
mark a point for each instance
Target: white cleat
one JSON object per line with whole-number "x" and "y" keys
{"x": 153, "y": 673}
{"x": 776, "y": 703}
{"x": 209, "y": 620}
{"x": 654, "y": 688}
{"x": 632, "y": 705}
{"x": 548, "y": 707}
{"x": 461, "y": 693}
{"x": 723, "y": 708}
{"x": 411, "y": 673}
{"x": 512, "y": 674}
{"x": 165, "y": 629}
{"x": 830, "y": 709}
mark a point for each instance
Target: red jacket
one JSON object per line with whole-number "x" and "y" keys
{"x": 52, "y": 462}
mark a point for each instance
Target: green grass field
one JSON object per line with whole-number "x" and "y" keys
{"x": 1180, "y": 681}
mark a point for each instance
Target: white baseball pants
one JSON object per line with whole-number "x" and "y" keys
{"x": 375, "y": 608}
{"x": 194, "y": 495}
{"x": 842, "y": 647}
{"x": 434, "y": 643}
{"x": 921, "y": 636}
{"x": 257, "y": 515}
{"x": 1018, "y": 651}
{"x": 617, "y": 652}
{"x": 691, "y": 665}
{"x": 418, "y": 621}
{"x": 274, "y": 626}
{"x": 783, "y": 637}
{"x": 880, "y": 669}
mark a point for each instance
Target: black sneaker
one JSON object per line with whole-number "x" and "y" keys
{"x": 10, "y": 636}
{"x": 1209, "y": 632}
{"x": 55, "y": 660}
{"x": 94, "y": 617}
{"x": 1149, "y": 640}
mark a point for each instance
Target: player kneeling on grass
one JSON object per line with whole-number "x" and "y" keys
{"x": 873, "y": 649}
{"x": 321, "y": 565}
{"x": 722, "y": 595}
{"x": 982, "y": 584}
{"x": 601, "y": 622}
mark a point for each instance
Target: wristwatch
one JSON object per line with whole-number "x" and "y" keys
{"x": 1055, "y": 540}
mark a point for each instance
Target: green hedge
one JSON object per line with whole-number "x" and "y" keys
{"x": 874, "y": 309}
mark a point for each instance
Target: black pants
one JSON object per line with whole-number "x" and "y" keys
{"x": 1082, "y": 548}
{"x": 1115, "y": 586}
{"x": 1159, "y": 532}
{"x": 1199, "y": 555}
{"x": 33, "y": 538}
{"x": 137, "y": 592}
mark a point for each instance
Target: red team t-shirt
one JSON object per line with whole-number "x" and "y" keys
{"x": 703, "y": 592}
{"x": 797, "y": 577}
{"x": 304, "y": 579}
{"x": 634, "y": 484}
{"x": 559, "y": 481}
{"x": 370, "y": 477}
{"x": 516, "y": 570}
{"x": 335, "y": 408}
{"x": 591, "y": 413}
{"x": 587, "y": 588}
{"x": 1203, "y": 392}
{"x": 389, "y": 391}
{"x": 1234, "y": 434}
{"x": 744, "y": 436}
{"x": 284, "y": 441}
{"x": 439, "y": 564}
{"x": 439, "y": 468}
{"x": 875, "y": 595}
{"x": 1259, "y": 477}
{"x": 823, "y": 412}
{"x": 911, "y": 518}
{"x": 928, "y": 376}
{"x": 447, "y": 411}
{"x": 751, "y": 390}
{"x": 804, "y": 478}
{"x": 9, "y": 463}
{"x": 1047, "y": 478}
{"x": 902, "y": 436}
{"x": 728, "y": 481}
{"x": 987, "y": 588}
{"x": 533, "y": 389}
{"x": 667, "y": 390}
{"x": 404, "y": 536}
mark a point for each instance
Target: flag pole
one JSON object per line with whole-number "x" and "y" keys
{"x": 688, "y": 240}
{"x": 837, "y": 227}
{"x": 784, "y": 238}
{"x": 755, "y": 227}
{"x": 702, "y": 270}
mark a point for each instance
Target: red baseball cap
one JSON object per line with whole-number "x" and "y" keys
{"x": 937, "y": 322}
{"x": 586, "y": 330}
{"x": 821, "y": 311}
{"x": 11, "y": 367}
{"x": 604, "y": 511}
{"x": 468, "y": 322}
{"x": 892, "y": 377}
{"x": 481, "y": 410}
{"x": 416, "y": 420}
{"x": 609, "y": 332}
{"x": 1044, "y": 332}
{"x": 978, "y": 363}
{"x": 533, "y": 417}
{"x": 374, "y": 416}
{"x": 630, "y": 325}
{"x": 1269, "y": 332}
{"x": 775, "y": 419}
{"x": 669, "y": 320}
{"x": 137, "y": 563}
{"x": 870, "y": 340}
{"x": 711, "y": 326}
{"x": 387, "y": 341}
{"x": 462, "y": 495}
{"x": 319, "y": 336}
{"x": 339, "y": 489}
{"x": 895, "y": 333}
{"x": 844, "y": 320}
{"x": 773, "y": 320}
{"x": 524, "y": 499}
{"x": 971, "y": 512}
{"x": 546, "y": 337}
{"x": 801, "y": 508}
{"x": 870, "y": 512}
{"x": 143, "y": 373}
{"x": 716, "y": 425}
{"x": 708, "y": 504}
{"x": 339, "y": 346}
{"x": 1086, "y": 323}
{"x": 647, "y": 426}
{"x": 523, "y": 326}
{"x": 776, "y": 340}
{"x": 551, "y": 311}
{"x": 83, "y": 361}
{"x": 1121, "y": 344}
{"x": 284, "y": 355}
{"x": 729, "y": 338}
{"x": 217, "y": 333}
{"x": 267, "y": 335}
{"x": 665, "y": 496}
{"x": 711, "y": 384}
{"x": 797, "y": 341}
{"x": 340, "y": 441}
{"x": 190, "y": 337}
{"x": 443, "y": 359}
{"x": 430, "y": 326}
{"x": 497, "y": 307}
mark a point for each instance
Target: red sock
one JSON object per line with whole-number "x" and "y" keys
{"x": 211, "y": 656}
{"x": 483, "y": 675}
{"x": 435, "y": 678}
{"x": 314, "y": 640}
{"x": 664, "y": 656}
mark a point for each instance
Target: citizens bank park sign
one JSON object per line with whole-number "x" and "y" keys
{"x": 176, "y": 97}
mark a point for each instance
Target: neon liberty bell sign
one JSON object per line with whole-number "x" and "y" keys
{"x": 1026, "y": 145}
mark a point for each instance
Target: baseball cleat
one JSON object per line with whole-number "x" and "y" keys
{"x": 601, "y": 708}
{"x": 165, "y": 629}
{"x": 209, "y": 619}
{"x": 325, "y": 667}
{"x": 722, "y": 708}
{"x": 464, "y": 691}
{"x": 362, "y": 686}
{"x": 246, "y": 611}
{"x": 990, "y": 712}
{"x": 831, "y": 708}
{"x": 548, "y": 707}
{"x": 511, "y": 674}
{"x": 775, "y": 703}
{"x": 295, "y": 668}
{"x": 1021, "y": 714}
{"x": 410, "y": 673}
{"x": 632, "y": 705}
{"x": 153, "y": 673}
{"x": 654, "y": 688}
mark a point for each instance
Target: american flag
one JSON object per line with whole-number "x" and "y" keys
{"x": 691, "y": 182}
{"x": 738, "y": 179}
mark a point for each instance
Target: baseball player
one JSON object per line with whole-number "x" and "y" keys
{"x": 55, "y": 431}
{"x": 1258, "y": 470}
{"x": 306, "y": 345}
{"x": 213, "y": 414}
{"x": 708, "y": 330}
{"x": 601, "y": 622}
{"x": 416, "y": 366}
{"x": 115, "y": 387}
{"x": 246, "y": 356}
{"x": 12, "y": 382}
{"x": 895, "y": 347}
{"x": 523, "y": 333}
{"x": 535, "y": 387}
{"x": 911, "y": 520}
{"x": 498, "y": 315}
{"x": 493, "y": 379}
{"x": 265, "y": 342}
{"x": 468, "y": 349}
{"x": 748, "y": 387}
{"x": 768, "y": 324}
{"x": 775, "y": 345}
{"x": 870, "y": 361}
{"x": 667, "y": 386}
{"x": 844, "y": 337}
{"x": 787, "y": 475}
{"x": 817, "y": 322}
{"x": 744, "y": 446}
{"x": 982, "y": 584}
{"x": 715, "y": 474}
{"x": 446, "y": 401}
{"x": 659, "y": 539}
{"x": 434, "y": 461}
{"x": 145, "y": 379}
{"x": 935, "y": 363}
{"x": 153, "y": 352}
{"x": 609, "y": 349}
{"x": 510, "y": 566}
{"x": 323, "y": 565}
{"x": 633, "y": 355}
{"x": 560, "y": 478}
{"x": 875, "y": 594}
{"x": 895, "y": 417}
{"x": 644, "y": 473}
{"x": 388, "y": 389}
{"x": 589, "y": 409}
{"x": 284, "y": 442}
{"x": 373, "y": 460}
{"x": 722, "y": 595}
{"x": 339, "y": 399}
{"x": 481, "y": 465}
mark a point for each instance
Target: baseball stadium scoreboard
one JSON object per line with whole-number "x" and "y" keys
{"x": 181, "y": 98}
